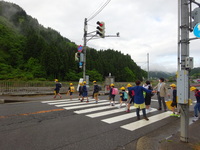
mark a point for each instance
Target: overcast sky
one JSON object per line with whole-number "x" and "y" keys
{"x": 145, "y": 26}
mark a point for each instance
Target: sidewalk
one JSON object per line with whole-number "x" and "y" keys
{"x": 165, "y": 138}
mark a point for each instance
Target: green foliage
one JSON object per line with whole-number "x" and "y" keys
{"x": 29, "y": 51}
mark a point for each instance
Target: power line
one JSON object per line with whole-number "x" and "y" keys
{"x": 100, "y": 9}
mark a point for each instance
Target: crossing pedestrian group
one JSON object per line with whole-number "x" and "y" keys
{"x": 138, "y": 95}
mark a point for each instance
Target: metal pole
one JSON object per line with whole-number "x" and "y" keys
{"x": 148, "y": 64}
{"x": 179, "y": 36}
{"x": 84, "y": 48}
{"x": 184, "y": 54}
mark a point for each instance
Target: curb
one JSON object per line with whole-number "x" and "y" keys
{"x": 2, "y": 101}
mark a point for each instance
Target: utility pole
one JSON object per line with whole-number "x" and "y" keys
{"x": 148, "y": 65}
{"x": 84, "y": 48}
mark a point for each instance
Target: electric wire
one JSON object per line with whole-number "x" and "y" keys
{"x": 100, "y": 9}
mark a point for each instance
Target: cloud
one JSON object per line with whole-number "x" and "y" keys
{"x": 145, "y": 26}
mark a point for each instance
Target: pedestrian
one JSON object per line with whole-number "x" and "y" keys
{"x": 197, "y": 105}
{"x": 161, "y": 93}
{"x": 96, "y": 91}
{"x": 139, "y": 101}
{"x": 80, "y": 91}
{"x": 174, "y": 101}
{"x": 113, "y": 92}
{"x": 57, "y": 89}
{"x": 85, "y": 92}
{"x": 123, "y": 97}
{"x": 71, "y": 90}
{"x": 131, "y": 98}
{"x": 148, "y": 96}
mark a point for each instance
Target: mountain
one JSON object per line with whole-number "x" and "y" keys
{"x": 158, "y": 74}
{"x": 30, "y": 51}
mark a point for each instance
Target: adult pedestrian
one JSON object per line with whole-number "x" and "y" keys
{"x": 197, "y": 105}
{"x": 85, "y": 92}
{"x": 57, "y": 89}
{"x": 139, "y": 101}
{"x": 96, "y": 91}
{"x": 162, "y": 91}
{"x": 148, "y": 86}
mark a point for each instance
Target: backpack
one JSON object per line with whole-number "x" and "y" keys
{"x": 150, "y": 88}
{"x": 132, "y": 93}
{"x": 59, "y": 85}
{"x": 125, "y": 95}
{"x": 71, "y": 89}
{"x": 114, "y": 91}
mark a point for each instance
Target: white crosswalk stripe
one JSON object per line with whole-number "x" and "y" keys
{"x": 103, "y": 109}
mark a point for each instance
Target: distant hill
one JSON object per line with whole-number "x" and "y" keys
{"x": 158, "y": 74}
{"x": 28, "y": 51}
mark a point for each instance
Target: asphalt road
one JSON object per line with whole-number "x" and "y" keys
{"x": 49, "y": 125}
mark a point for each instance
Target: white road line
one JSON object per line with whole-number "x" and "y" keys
{"x": 81, "y": 103}
{"x": 104, "y": 113}
{"x": 55, "y": 101}
{"x": 85, "y": 106}
{"x": 141, "y": 123}
{"x": 92, "y": 109}
{"x": 122, "y": 117}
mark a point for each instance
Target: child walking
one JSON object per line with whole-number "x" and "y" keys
{"x": 123, "y": 97}
{"x": 197, "y": 105}
{"x": 174, "y": 101}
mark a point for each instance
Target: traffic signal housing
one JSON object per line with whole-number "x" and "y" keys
{"x": 101, "y": 29}
{"x": 195, "y": 14}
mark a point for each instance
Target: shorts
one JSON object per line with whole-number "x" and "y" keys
{"x": 85, "y": 94}
{"x": 71, "y": 93}
{"x": 131, "y": 100}
{"x": 57, "y": 91}
{"x": 141, "y": 106}
{"x": 80, "y": 93}
{"x": 96, "y": 94}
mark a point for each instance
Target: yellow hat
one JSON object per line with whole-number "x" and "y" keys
{"x": 173, "y": 85}
{"x": 84, "y": 82}
{"x": 122, "y": 88}
{"x": 94, "y": 81}
{"x": 80, "y": 83}
{"x": 129, "y": 85}
{"x": 112, "y": 84}
{"x": 56, "y": 80}
{"x": 192, "y": 88}
{"x": 71, "y": 84}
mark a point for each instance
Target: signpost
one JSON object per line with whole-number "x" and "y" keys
{"x": 196, "y": 30}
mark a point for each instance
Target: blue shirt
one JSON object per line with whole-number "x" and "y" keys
{"x": 139, "y": 97}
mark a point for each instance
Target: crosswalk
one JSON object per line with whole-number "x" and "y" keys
{"x": 108, "y": 114}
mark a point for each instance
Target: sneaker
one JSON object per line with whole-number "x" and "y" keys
{"x": 147, "y": 111}
{"x": 150, "y": 109}
{"x": 87, "y": 101}
{"x": 177, "y": 115}
{"x": 159, "y": 109}
{"x": 174, "y": 115}
{"x": 146, "y": 118}
{"x": 54, "y": 97}
{"x": 128, "y": 110}
{"x": 60, "y": 96}
{"x": 195, "y": 118}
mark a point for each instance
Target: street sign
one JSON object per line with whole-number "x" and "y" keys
{"x": 80, "y": 48}
{"x": 196, "y": 30}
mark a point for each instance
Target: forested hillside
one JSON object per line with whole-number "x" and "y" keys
{"x": 28, "y": 51}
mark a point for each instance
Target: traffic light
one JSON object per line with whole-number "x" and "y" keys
{"x": 77, "y": 56}
{"x": 195, "y": 14}
{"x": 101, "y": 29}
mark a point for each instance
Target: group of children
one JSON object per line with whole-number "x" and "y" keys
{"x": 140, "y": 96}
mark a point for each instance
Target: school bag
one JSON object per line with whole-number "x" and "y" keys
{"x": 59, "y": 85}
{"x": 125, "y": 95}
{"x": 71, "y": 89}
{"x": 114, "y": 91}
